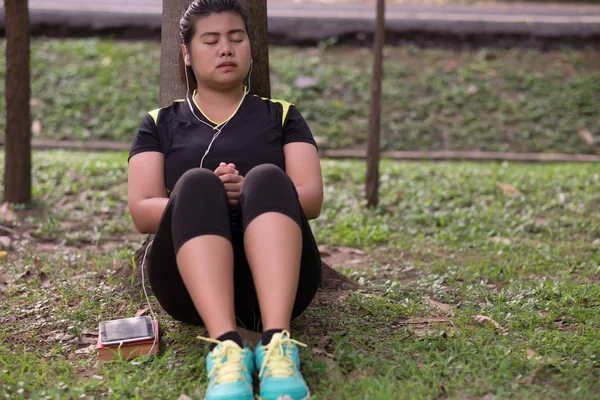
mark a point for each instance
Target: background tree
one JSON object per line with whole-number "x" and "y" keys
{"x": 17, "y": 162}
{"x": 373, "y": 150}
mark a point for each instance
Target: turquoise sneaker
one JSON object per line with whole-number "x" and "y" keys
{"x": 279, "y": 366}
{"x": 230, "y": 370}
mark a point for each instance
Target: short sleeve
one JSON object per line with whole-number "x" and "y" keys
{"x": 147, "y": 138}
{"x": 295, "y": 129}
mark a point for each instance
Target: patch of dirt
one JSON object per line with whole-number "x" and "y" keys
{"x": 84, "y": 372}
{"x": 345, "y": 257}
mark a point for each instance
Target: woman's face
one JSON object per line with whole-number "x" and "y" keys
{"x": 219, "y": 52}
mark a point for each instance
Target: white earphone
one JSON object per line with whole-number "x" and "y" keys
{"x": 187, "y": 98}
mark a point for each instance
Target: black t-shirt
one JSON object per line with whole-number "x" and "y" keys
{"x": 254, "y": 135}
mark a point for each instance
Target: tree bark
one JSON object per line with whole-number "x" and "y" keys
{"x": 259, "y": 35}
{"x": 17, "y": 169}
{"x": 373, "y": 150}
{"x": 171, "y": 86}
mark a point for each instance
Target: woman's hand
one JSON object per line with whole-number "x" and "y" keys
{"x": 232, "y": 180}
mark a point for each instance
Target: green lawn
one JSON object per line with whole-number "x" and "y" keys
{"x": 447, "y": 244}
{"x": 496, "y": 100}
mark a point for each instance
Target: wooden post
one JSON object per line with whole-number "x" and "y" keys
{"x": 17, "y": 167}
{"x": 373, "y": 150}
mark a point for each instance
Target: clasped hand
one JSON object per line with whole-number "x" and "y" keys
{"x": 232, "y": 180}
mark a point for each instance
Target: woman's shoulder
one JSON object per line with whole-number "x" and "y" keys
{"x": 280, "y": 107}
{"x": 166, "y": 114}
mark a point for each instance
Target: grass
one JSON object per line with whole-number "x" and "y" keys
{"x": 447, "y": 244}
{"x": 496, "y": 100}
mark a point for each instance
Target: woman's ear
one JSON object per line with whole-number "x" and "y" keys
{"x": 186, "y": 56}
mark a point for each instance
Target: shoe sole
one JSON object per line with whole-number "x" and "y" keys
{"x": 286, "y": 397}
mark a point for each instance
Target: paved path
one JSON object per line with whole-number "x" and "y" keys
{"x": 297, "y": 22}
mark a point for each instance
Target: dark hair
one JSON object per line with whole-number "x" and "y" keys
{"x": 187, "y": 25}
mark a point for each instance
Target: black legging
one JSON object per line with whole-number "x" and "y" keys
{"x": 199, "y": 206}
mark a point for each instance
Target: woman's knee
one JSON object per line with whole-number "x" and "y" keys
{"x": 267, "y": 188}
{"x": 198, "y": 179}
{"x": 266, "y": 176}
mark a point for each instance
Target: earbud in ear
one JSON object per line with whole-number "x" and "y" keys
{"x": 187, "y": 59}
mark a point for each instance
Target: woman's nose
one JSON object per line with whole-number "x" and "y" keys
{"x": 226, "y": 52}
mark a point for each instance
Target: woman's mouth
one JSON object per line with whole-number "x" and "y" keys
{"x": 227, "y": 66}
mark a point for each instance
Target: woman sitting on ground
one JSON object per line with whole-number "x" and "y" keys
{"x": 226, "y": 182}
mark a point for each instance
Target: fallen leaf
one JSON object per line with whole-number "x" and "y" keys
{"x": 4, "y": 279}
{"x": 36, "y": 128}
{"x": 75, "y": 176}
{"x": 508, "y": 189}
{"x": 501, "y": 240}
{"x": 438, "y": 305}
{"x": 44, "y": 279}
{"x": 6, "y": 213}
{"x": 451, "y": 65}
{"x": 485, "y": 319}
{"x": 443, "y": 390}
{"x": 561, "y": 325}
{"x": 531, "y": 354}
{"x": 71, "y": 225}
{"x": 349, "y": 250}
{"x": 472, "y": 89}
{"x": 324, "y": 340}
{"x": 316, "y": 350}
{"x": 587, "y": 136}
{"x": 421, "y": 321}
{"x": 333, "y": 373}
{"x": 141, "y": 312}
{"x": 74, "y": 302}
{"x": 324, "y": 251}
{"x": 305, "y": 82}
{"x": 25, "y": 275}
{"x": 62, "y": 337}
{"x": 544, "y": 314}
{"x": 84, "y": 372}
{"x": 89, "y": 340}
{"x": 357, "y": 374}
{"x": 535, "y": 373}
{"x": 86, "y": 350}
{"x": 5, "y": 241}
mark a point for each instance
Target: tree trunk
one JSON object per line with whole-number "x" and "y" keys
{"x": 373, "y": 150}
{"x": 260, "y": 83}
{"x": 171, "y": 87}
{"x": 17, "y": 167}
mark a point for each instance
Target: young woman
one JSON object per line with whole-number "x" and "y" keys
{"x": 226, "y": 182}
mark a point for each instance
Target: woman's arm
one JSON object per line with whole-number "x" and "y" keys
{"x": 146, "y": 191}
{"x": 304, "y": 168}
